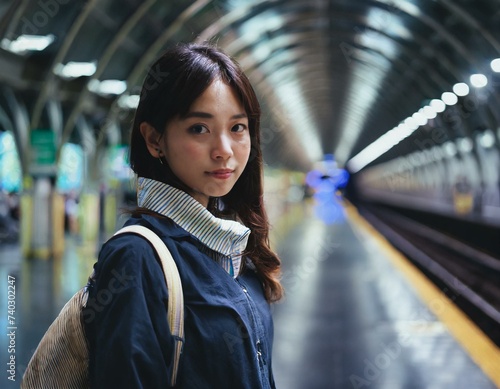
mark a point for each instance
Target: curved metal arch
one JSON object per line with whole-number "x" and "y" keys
{"x": 402, "y": 7}
{"x": 281, "y": 138}
{"x": 158, "y": 44}
{"x": 280, "y": 110}
{"x": 454, "y": 42}
{"x": 471, "y": 21}
{"x": 474, "y": 24}
{"x": 233, "y": 16}
{"x": 104, "y": 61}
{"x": 393, "y": 68}
{"x": 446, "y": 63}
{"x": 406, "y": 7}
{"x": 5, "y": 120}
{"x": 399, "y": 66}
{"x": 154, "y": 49}
{"x": 21, "y": 127}
{"x": 421, "y": 42}
{"x": 295, "y": 63}
{"x": 59, "y": 57}
{"x": 364, "y": 49}
{"x": 7, "y": 25}
{"x": 55, "y": 114}
{"x": 87, "y": 139}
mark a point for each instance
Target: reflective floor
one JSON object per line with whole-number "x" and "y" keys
{"x": 350, "y": 319}
{"x": 41, "y": 289}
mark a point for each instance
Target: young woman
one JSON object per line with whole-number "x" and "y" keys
{"x": 195, "y": 147}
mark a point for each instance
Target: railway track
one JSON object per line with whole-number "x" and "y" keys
{"x": 466, "y": 274}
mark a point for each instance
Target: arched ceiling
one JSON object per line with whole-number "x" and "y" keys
{"x": 332, "y": 75}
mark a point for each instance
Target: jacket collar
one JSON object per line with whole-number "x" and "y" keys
{"x": 226, "y": 237}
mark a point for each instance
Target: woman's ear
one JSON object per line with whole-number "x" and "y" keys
{"x": 152, "y": 139}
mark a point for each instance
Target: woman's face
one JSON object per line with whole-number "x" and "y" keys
{"x": 208, "y": 148}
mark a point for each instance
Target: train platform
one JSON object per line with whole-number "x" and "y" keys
{"x": 359, "y": 315}
{"x": 356, "y": 313}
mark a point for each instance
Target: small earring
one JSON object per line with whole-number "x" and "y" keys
{"x": 159, "y": 155}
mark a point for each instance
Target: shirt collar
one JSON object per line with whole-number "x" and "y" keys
{"x": 226, "y": 237}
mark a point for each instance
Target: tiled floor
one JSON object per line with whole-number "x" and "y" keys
{"x": 349, "y": 320}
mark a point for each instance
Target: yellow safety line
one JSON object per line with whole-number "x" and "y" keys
{"x": 480, "y": 348}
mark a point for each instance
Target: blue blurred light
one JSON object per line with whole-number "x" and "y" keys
{"x": 325, "y": 182}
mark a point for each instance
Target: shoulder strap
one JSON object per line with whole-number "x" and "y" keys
{"x": 174, "y": 286}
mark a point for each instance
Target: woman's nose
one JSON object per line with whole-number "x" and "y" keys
{"x": 222, "y": 147}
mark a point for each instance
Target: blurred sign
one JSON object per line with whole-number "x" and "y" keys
{"x": 10, "y": 167}
{"x": 70, "y": 169}
{"x": 43, "y": 146}
{"x": 117, "y": 164}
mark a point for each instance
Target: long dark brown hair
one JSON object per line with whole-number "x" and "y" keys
{"x": 171, "y": 86}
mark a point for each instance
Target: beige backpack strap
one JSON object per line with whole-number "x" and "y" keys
{"x": 174, "y": 286}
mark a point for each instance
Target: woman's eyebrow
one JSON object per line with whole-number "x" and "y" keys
{"x": 197, "y": 114}
{"x": 206, "y": 115}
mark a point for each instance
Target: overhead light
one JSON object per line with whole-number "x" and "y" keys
{"x": 76, "y": 69}
{"x": 367, "y": 155}
{"x": 438, "y": 153}
{"x": 495, "y": 65}
{"x": 449, "y": 98}
{"x": 465, "y": 145}
{"x": 438, "y": 105}
{"x": 487, "y": 139}
{"x": 450, "y": 149}
{"x": 411, "y": 123}
{"x": 25, "y": 43}
{"x": 129, "y": 102}
{"x": 382, "y": 145}
{"x": 461, "y": 89}
{"x": 107, "y": 87}
{"x": 478, "y": 80}
{"x": 429, "y": 112}
{"x": 416, "y": 159}
{"x": 391, "y": 137}
{"x": 405, "y": 130}
{"x": 420, "y": 118}
{"x": 402, "y": 131}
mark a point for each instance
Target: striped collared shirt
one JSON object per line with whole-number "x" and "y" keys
{"x": 227, "y": 238}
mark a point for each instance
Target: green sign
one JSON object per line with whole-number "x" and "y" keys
{"x": 43, "y": 145}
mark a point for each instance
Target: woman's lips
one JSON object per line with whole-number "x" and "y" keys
{"x": 222, "y": 174}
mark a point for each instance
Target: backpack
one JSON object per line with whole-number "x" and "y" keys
{"x": 62, "y": 357}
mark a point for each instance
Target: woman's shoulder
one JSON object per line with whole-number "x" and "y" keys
{"x": 129, "y": 253}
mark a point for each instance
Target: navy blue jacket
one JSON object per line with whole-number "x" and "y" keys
{"x": 228, "y": 324}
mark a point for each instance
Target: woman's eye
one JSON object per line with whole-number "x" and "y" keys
{"x": 198, "y": 129}
{"x": 239, "y": 128}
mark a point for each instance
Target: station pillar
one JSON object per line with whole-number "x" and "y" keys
{"x": 42, "y": 219}
{"x": 109, "y": 196}
{"x": 89, "y": 216}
